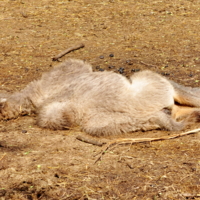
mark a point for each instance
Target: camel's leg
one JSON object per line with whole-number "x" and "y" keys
{"x": 181, "y": 112}
{"x": 104, "y": 124}
{"x": 186, "y": 96}
{"x": 57, "y": 115}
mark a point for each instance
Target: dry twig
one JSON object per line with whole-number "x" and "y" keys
{"x": 3, "y": 156}
{"x": 148, "y": 65}
{"x": 90, "y": 141}
{"x": 140, "y": 140}
{"x": 75, "y": 47}
{"x": 188, "y": 195}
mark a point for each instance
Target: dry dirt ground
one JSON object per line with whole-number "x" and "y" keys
{"x": 120, "y": 35}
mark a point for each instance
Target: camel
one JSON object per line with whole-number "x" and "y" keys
{"x": 103, "y": 103}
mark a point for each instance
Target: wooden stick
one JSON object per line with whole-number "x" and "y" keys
{"x": 90, "y": 141}
{"x": 191, "y": 196}
{"x": 139, "y": 140}
{"x": 75, "y": 47}
{"x": 3, "y": 156}
{"x": 148, "y": 65}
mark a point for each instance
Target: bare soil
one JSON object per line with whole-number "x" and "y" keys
{"x": 119, "y": 35}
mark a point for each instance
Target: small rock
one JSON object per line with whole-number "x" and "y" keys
{"x": 190, "y": 75}
{"x": 56, "y": 175}
{"x": 129, "y": 62}
{"x": 165, "y": 74}
{"x": 26, "y": 69}
{"x": 135, "y": 70}
{"x": 111, "y": 55}
{"x": 121, "y": 70}
{"x": 24, "y": 131}
{"x": 101, "y": 57}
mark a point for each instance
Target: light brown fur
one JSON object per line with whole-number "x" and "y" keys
{"x": 103, "y": 103}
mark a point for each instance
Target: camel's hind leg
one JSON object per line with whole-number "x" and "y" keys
{"x": 104, "y": 124}
{"x": 186, "y": 96}
{"x": 163, "y": 120}
{"x": 181, "y": 112}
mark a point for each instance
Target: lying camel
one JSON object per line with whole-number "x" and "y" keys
{"x": 103, "y": 103}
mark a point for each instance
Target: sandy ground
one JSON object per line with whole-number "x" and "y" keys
{"x": 119, "y": 35}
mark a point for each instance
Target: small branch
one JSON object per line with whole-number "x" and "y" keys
{"x": 90, "y": 141}
{"x": 139, "y": 140}
{"x": 78, "y": 46}
{"x": 148, "y": 65}
{"x": 188, "y": 195}
{"x": 3, "y": 156}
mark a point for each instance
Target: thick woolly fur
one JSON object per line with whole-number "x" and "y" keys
{"x": 101, "y": 103}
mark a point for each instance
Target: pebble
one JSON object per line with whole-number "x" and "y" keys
{"x": 190, "y": 75}
{"x": 165, "y": 74}
{"x": 135, "y": 70}
{"x": 101, "y": 57}
{"x": 121, "y": 70}
{"x": 129, "y": 62}
{"x": 24, "y": 131}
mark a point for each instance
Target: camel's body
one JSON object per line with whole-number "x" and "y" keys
{"x": 103, "y": 103}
